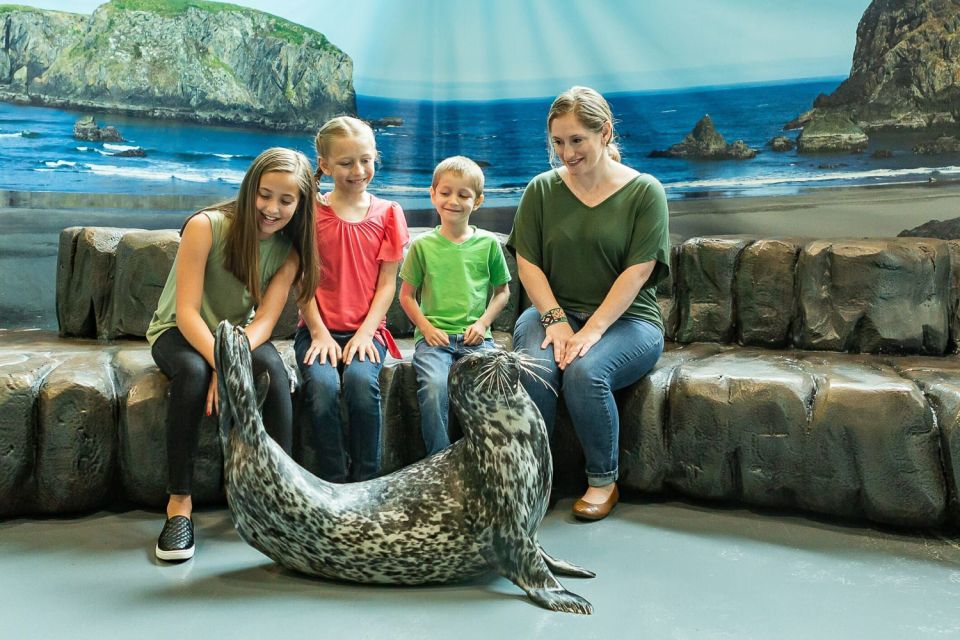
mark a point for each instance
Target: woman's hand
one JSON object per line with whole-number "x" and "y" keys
{"x": 578, "y": 345}
{"x": 325, "y": 348}
{"x": 361, "y": 346}
{"x": 558, "y": 334}
{"x": 213, "y": 397}
{"x": 435, "y": 337}
{"x": 475, "y": 333}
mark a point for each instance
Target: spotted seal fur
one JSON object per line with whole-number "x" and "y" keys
{"x": 474, "y": 507}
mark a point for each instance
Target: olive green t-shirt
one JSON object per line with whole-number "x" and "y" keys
{"x": 224, "y": 297}
{"x": 582, "y": 250}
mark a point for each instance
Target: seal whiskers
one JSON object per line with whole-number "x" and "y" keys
{"x": 475, "y": 506}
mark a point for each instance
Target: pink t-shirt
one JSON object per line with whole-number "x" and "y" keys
{"x": 350, "y": 257}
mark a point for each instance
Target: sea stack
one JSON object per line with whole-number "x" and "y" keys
{"x": 905, "y": 72}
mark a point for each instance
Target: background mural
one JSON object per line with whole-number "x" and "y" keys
{"x": 196, "y": 89}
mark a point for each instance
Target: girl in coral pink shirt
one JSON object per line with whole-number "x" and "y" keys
{"x": 342, "y": 339}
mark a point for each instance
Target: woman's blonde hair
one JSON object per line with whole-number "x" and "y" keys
{"x": 592, "y": 111}
{"x": 242, "y": 246}
{"x": 339, "y": 127}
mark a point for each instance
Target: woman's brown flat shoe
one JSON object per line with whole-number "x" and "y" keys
{"x": 589, "y": 511}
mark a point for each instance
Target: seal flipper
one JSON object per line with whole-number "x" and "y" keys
{"x": 563, "y": 567}
{"x": 522, "y": 564}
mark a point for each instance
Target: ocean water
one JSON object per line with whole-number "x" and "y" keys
{"x": 38, "y": 152}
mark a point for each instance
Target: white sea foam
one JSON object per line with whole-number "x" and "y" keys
{"x": 404, "y": 189}
{"x": 167, "y": 172}
{"x": 878, "y": 174}
{"x": 119, "y": 147}
{"x": 398, "y": 188}
{"x": 59, "y": 163}
{"x": 18, "y": 134}
{"x": 669, "y": 111}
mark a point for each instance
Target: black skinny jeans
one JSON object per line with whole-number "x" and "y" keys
{"x": 189, "y": 375}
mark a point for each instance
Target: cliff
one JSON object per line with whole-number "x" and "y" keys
{"x": 906, "y": 68}
{"x": 191, "y": 60}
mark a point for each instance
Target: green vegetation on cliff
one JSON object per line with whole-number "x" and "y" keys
{"x": 280, "y": 28}
{"x": 7, "y": 8}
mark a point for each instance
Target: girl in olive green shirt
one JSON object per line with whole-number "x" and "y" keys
{"x": 236, "y": 262}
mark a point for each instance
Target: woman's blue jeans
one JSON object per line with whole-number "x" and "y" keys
{"x": 360, "y": 386}
{"x": 625, "y": 353}
{"x": 432, "y": 365}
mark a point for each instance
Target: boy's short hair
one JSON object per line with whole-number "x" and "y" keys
{"x": 463, "y": 167}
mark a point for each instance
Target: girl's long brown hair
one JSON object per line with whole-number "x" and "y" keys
{"x": 242, "y": 248}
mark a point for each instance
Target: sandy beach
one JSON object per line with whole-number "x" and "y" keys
{"x": 32, "y": 221}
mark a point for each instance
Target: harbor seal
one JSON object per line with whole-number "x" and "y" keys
{"x": 473, "y": 507}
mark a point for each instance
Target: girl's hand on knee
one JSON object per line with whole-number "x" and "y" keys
{"x": 361, "y": 347}
{"x": 578, "y": 345}
{"x": 213, "y": 397}
{"x": 326, "y": 349}
{"x": 558, "y": 334}
{"x": 436, "y": 338}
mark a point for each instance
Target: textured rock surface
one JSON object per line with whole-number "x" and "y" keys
{"x": 208, "y": 62}
{"x": 143, "y": 261}
{"x": 86, "y": 129}
{"x": 781, "y": 143}
{"x": 874, "y": 296}
{"x": 704, "y": 142}
{"x": 76, "y": 436}
{"x": 906, "y": 67}
{"x": 705, "y": 284}
{"x": 943, "y": 144}
{"x": 84, "y": 300}
{"x": 873, "y": 446}
{"x": 764, "y": 289}
{"x": 831, "y": 132}
{"x": 943, "y": 229}
{"x": 20, "y": 378}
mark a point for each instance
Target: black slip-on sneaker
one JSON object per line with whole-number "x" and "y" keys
{"x": 176, "y": 539}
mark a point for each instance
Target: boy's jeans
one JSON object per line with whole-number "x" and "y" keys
{"x": 432, "y": 365}
{"x": 625, "y": 353}
{"x": 361, "y": 391}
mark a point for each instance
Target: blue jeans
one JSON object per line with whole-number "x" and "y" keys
{"x": 360, "y": 386}
{"x": 432, "y": 365}
{"x": 625, "y": 353}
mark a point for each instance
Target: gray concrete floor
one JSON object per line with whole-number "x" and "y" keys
{"x": 664, "y": 570}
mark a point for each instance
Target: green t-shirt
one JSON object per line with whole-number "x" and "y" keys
{"x": 224, "y": 297}
{"x": 583, "y": 250}
{"x": 454, "y": 279}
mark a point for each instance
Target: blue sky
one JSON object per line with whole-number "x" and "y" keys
{"x": 496, "y": 49}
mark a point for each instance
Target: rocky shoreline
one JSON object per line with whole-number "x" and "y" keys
{"x": 210, "y": 63}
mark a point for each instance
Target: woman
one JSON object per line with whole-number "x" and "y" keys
{"x": 592, "y": 240}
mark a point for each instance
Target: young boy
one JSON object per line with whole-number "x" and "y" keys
{"x": 454, "y": 266}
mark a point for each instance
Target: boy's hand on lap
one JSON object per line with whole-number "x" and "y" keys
{"x": 435, "y": 337}
{"x": 475, "y": 333}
